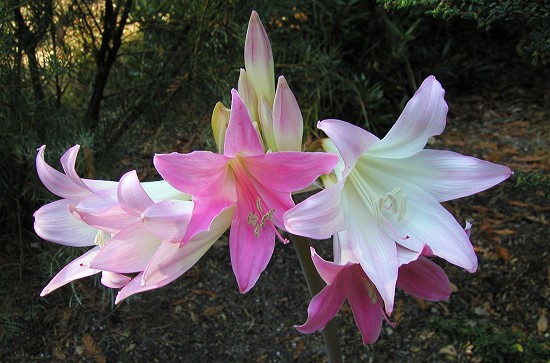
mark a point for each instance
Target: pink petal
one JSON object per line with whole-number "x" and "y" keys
{"x": 288, "y": 124}
{"x": 424, "y": 279}
{"x": 56, "y": 182}
{"x": 326, "y": 269}
{"x": 289, "y": 171}
{"x": 68, "y": 161}
{"x": 200, "y": 173}
{"x": 102, "y": 211}
{"x": 114, "y": 280}
{"x": 324, "y": 306}
{"x": 447, "y": 175}
{"x": 319, "y": 216}
{"x": 258, "y": 58}
{"x": 351, "y": 141}
{"x": 366, "y": 308}
{"x": 75, "y": 270}
{"x": 171, "y": 261}
{"x": 424, "y": 116}
{"x": 250, "y": 251}
{"x": 241, "y": 135}
{"x": 204, "y": 213}
{"x": 55, "y": 223}
{"x": 132, "y": 197}
{"x": 168, "y": 219}
{"x": 128, "y": 251}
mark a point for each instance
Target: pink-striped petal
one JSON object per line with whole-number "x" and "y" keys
{"x": 288, "y": 124}
{"x": 171, "y": 261}
{"x": 447, "y": 175}
{"x": 131, "y": 196}
{"x": 168, "y": 219}
{"x": 56, "y": 182}
{"x": 102, "y": 211}
{"x": 200, "y": 173}
{"x": 75, "y": 270}
{"x": 55, "y": 223}
{"x": 289, "y": 171}
{"x": 241, "y": 136}
{"x": 351, "y": 141}
{"x": 319, "y": 216}
{"x": 204, "y": 213}
{"x": 68, "y": 162}
{"x": 258, "y": 58}
{"x": 424, "y": 116}
{"x": 424, "y": 279}
{"x": 128, "y": 251}
{"x": 428, "y": 223}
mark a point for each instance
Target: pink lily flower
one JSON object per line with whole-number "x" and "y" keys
{"x": 257, "y": 184}
{"x": 387, "y": 193}
{"x": 421, "y": 278}
{"x": 87, "y": 215}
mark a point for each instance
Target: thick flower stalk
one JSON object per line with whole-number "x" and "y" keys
{"x": 386, "y": 194}
{"x": 259, "y": 185}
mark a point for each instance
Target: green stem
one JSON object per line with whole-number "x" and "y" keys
{"x": 316, "y": 284}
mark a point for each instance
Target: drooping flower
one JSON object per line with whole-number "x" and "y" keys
{"x": 87, "y": 215}
{"x": 387, "y": 193}
{"x": 346, "y": 280}
{"x": 257, "y": 184}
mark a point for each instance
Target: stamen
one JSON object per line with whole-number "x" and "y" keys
{"x": 101, "y": 237}
{"x": 259, "y": 204}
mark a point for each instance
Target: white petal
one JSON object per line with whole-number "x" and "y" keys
{"x": 55, "y": 223}
{"x": 423, "y": 117}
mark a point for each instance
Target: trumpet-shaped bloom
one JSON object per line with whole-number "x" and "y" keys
{"x": 421, "y": 278}
{"x": 163, "y": 243}
{"x": 257, "y": 184}
{"x": 88, "y": 215}
{"x": 388, "y": 192}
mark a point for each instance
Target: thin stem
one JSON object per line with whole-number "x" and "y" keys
{"x": 315, "y": 284}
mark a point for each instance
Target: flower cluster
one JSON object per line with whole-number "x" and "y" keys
{"x": 380, "y": 202}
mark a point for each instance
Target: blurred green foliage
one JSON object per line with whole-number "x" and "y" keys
{"x": 490, "y": 343}
{"x": 526, "y": 16}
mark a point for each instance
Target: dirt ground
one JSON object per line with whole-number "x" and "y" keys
{"x": 202, "y": 316}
